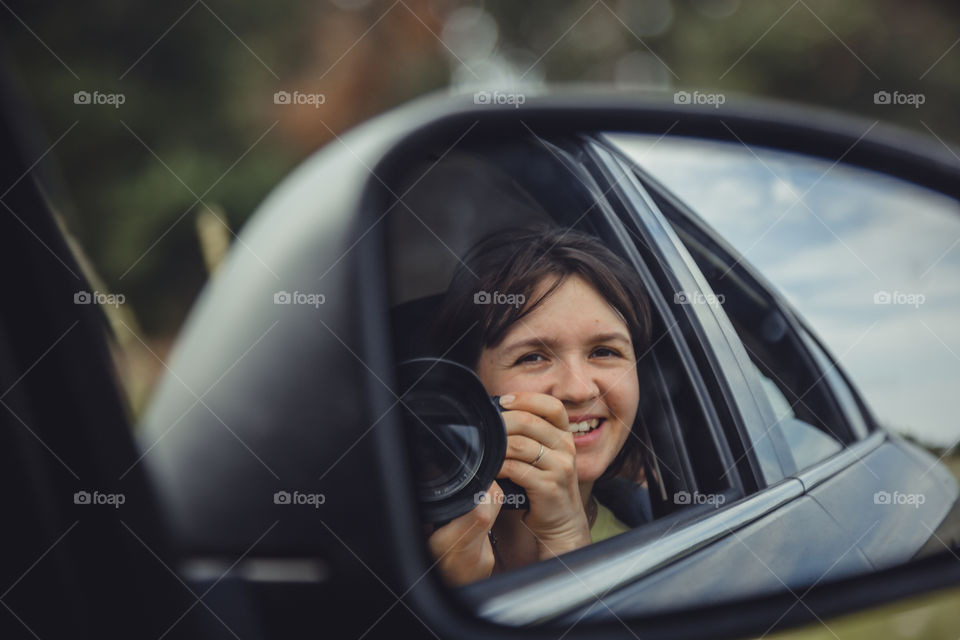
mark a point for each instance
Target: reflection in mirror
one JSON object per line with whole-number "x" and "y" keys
{"x": 635, "y": 475}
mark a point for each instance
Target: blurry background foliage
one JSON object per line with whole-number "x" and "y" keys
{"x": 199, "y": 119}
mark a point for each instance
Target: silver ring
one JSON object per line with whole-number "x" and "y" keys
{"x": 540, "y": 455}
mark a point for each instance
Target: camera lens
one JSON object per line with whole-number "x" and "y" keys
{"x": 455, "y": 434}
{"x": 446, "y": 446}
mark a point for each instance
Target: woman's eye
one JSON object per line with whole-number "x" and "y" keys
{"x": 605, "y": 352}
{"x": 530, "y": 357}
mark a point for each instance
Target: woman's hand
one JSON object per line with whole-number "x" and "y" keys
{"x": 538, "y": 432}
{"x": 462, "y": 546}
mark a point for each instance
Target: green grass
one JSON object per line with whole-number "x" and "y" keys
{"x": 934, "y": 617}
{"x": 953, "y": 463}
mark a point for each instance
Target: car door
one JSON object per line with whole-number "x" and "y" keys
{"x": 85, "y": 553}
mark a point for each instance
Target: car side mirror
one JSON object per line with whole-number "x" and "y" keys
{"x": 277, "y": 435}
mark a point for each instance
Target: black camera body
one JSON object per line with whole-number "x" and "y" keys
{"x": 514, "y": 496}
{"x": 457, "y": 437}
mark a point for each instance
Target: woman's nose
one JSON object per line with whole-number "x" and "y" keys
{"x": 575, "y": 384}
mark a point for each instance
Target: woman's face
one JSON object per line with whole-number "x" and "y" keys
{"x": 576, "y": 348}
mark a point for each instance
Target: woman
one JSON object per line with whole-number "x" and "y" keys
{"x": 553, "y": 323}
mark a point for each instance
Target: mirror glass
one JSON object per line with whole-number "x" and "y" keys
{"x": 655, "y": 461}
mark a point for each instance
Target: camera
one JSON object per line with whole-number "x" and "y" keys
{"x": 456, "y": 435}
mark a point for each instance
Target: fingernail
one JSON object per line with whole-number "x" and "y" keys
{"x": 507, "y": 399}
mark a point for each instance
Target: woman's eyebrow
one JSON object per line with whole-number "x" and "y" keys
{"x": 551, "y": 344}
{"x": 535, "y": 342}
{"x": 611, "y": 336}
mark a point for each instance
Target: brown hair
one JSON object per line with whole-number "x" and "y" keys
{"x": 512, "y": 262}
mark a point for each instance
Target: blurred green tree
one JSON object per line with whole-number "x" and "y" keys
{"x": 199, "y": 132}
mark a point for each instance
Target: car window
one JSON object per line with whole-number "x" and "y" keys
{"x": 448, "y": 205}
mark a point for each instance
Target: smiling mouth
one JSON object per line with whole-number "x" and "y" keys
{"x": 586, "y": 426}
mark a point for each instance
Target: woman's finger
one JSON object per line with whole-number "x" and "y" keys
{"x": 534, "y": 427}
{"x": 539, "y": 404}
{"x": 525, "y": 449}
{"x": 462, "y": 546}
